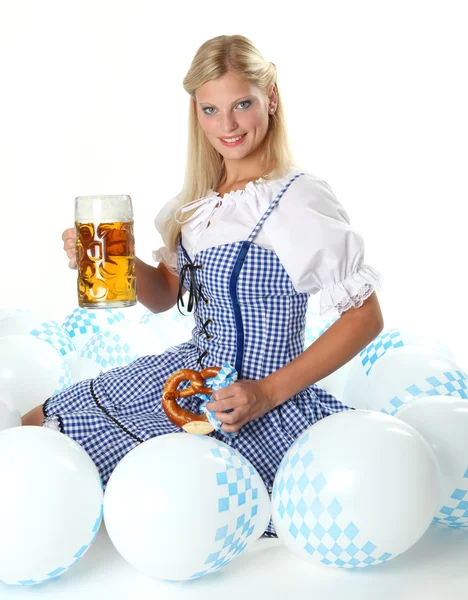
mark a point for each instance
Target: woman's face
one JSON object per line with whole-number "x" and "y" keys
{"x": 231, "y": 106}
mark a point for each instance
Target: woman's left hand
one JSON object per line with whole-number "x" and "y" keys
{"x": 249, "y": 399}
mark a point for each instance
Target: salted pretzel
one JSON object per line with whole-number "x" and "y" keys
{"x": 189, "y": 421}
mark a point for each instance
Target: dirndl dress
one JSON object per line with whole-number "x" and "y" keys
{"x": 248, "y": 314}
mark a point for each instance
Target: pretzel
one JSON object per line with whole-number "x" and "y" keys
{"x": 188, "y": 421}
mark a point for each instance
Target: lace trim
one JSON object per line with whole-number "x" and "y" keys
{"x": 356, "y": 301}
{"x": 53, "y": 423}
{"x": 168, "y": 258}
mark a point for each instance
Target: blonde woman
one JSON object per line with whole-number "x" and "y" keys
{"x": 249, "y": 237}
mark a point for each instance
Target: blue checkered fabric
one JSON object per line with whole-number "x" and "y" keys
{"x": 250, "y": 316}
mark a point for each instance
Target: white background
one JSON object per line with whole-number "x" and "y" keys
{"x": 375, "y": 94}
{"x": 92, "y": 102}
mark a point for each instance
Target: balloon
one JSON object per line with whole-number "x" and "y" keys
{"x": 388, "y": 340}
{"x": 170, "y": 327}
{"x": 83, "y": 368}
{"x": 10, "y": 416}
{"x": 121, "y": 345}
{"x": 40, "y": 326}
{"x": 81, "y": 324}
{"x": 403, "y": 375}
{"x": 180, "y": 506}
{"x": 31, "y": 371}
{"x": 316, "y": 326}
{"x": 443, "y": 423}
{"x": 50, "y": 504}
{"x": 356, "y": 489}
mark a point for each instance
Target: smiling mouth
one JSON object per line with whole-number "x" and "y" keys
{"x": 233, "y": 139}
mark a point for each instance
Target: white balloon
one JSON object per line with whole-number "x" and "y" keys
{"x": 39, "y": 325}
{"x": 356, "y": 489}
{"x": 405, "y": 374}
{"x": 170, "y": 327}
{"x": 180, "y": 506}
{"x": 31, "y": 371}
{"x": 50, "y": 504}
{"x": 10, "y": 416}
{"x": 335, "y": 382}
{"x": 443, "y": 423}
{"x": 121, "y": 345}
{"x": 82, "y": 323}
{"x": 4, "y": 312}
{"x": 388, "y": 340}
{"x": 83, "y": 368}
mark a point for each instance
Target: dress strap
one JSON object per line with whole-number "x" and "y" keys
{"x": 266, "y": 214}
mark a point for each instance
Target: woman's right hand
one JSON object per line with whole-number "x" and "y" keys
{"x": 69, "y": 243}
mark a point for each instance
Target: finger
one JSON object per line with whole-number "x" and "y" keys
{"x": 223, "y": 405}
{"x": 230, "y": 418}
{"x": 222, "y": 394}
{"x": 232, "y": 428}
{"x": 72, "y": 263}
{"x": 68, "y": 233}
{"x": 71, "y": 253}
{"x": 69, "y": 243}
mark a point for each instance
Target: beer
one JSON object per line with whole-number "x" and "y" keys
{"x": 105, "y": 253}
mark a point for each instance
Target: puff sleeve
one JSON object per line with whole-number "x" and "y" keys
{"x": 313, "y": 239}
{"x": 163, "y": 254}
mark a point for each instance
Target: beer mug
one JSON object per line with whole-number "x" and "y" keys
{"x": 105, "y": 251}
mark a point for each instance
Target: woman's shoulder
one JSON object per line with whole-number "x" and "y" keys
{"x": 308, "y": 193}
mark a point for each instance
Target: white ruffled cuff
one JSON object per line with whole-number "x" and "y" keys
{"x": 351, "y": 292}
{"x": 168, "y": 258}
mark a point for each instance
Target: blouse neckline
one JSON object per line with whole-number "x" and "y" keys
{"x": 251, "y": 185}
{"x": 206, "y": 205}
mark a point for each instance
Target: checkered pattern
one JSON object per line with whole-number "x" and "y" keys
{"x": 84, "y": 321}
{"x": 56, "y": 336}
{"x": 234, "y": 480}
{"x": 60, "y": 570}
{"x": 170, "y": 327}
{"x": 385, "y": 341}
{"x": 450, "y": 383}
{"x": 226, "y": 376}
{"x": 172, "y": 315}
{"x": 315, "y": 517}
{"x": 257, "y": 326}
{"x": 455, "y": 512}
{"x": 65, "y": 379}
{"x": 109, "y": 350}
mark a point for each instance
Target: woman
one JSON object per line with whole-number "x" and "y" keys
{"x": 257, "y": 238}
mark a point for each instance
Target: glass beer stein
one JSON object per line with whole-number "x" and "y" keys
{"x": 105, "y": 251}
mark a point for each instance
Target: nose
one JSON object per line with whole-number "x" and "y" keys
{"x": 228, "y": 124}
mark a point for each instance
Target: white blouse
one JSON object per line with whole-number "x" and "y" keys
{"x": 309, "y": 230}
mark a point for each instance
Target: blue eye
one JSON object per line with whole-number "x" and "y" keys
{"x": 248, "y": 102}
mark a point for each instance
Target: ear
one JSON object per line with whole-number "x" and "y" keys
{"x": 273, "y": 93}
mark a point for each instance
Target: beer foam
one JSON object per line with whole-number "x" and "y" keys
{"x": 103, "y": 208}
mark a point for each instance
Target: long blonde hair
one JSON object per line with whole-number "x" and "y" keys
{"x": 205, "y": 167}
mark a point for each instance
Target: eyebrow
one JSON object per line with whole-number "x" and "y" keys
{"x": 232, "y": 104}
